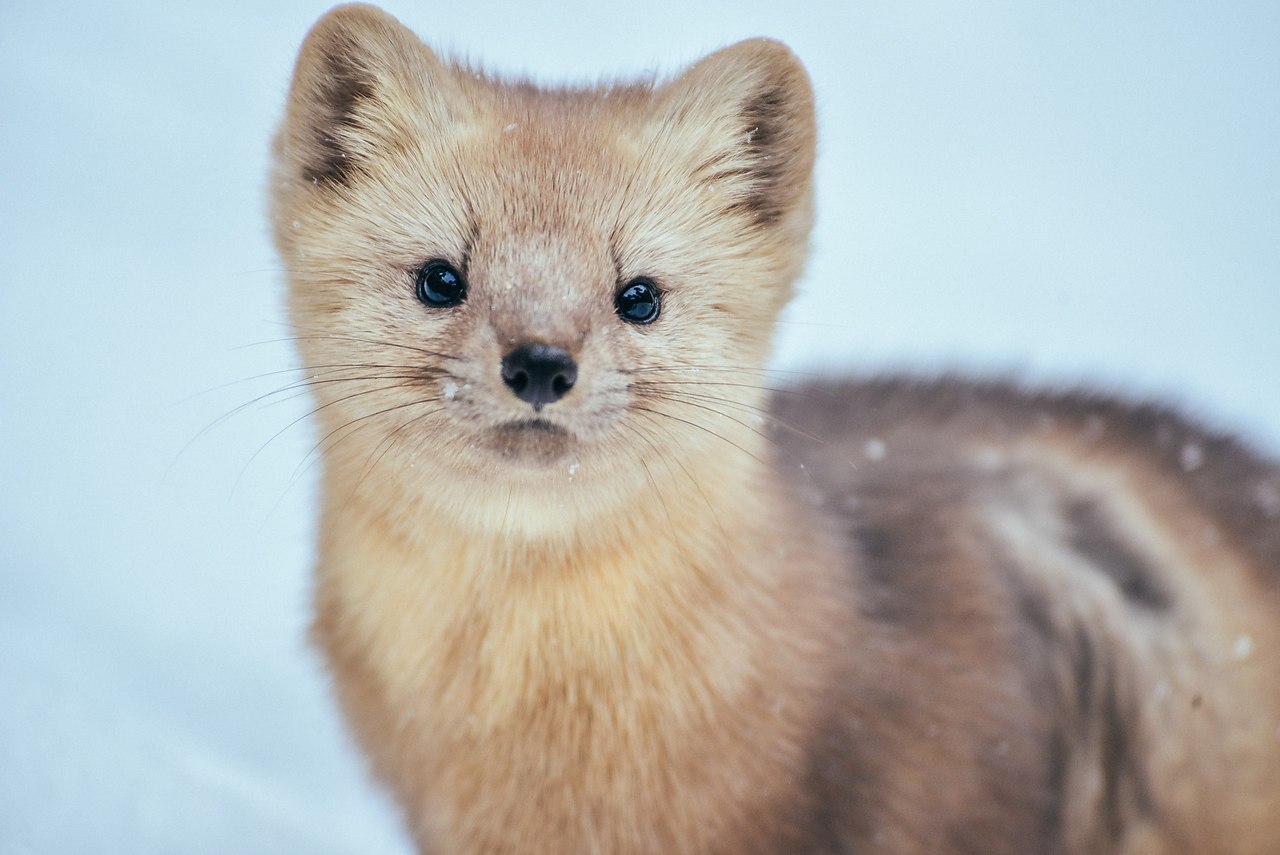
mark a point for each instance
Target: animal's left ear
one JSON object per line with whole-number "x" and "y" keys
{"x": 744, "y": 115}
{"x": 361, "y": 79}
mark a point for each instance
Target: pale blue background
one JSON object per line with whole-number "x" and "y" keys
{"x": 1076, "y": 191}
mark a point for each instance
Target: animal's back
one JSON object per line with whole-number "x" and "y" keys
{"x": 1073, "y": 614}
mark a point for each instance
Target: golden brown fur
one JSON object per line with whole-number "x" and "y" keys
{"x": 665, "y": 614}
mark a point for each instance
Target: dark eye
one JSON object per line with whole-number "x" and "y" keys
{"x": 440, "y": 285}
{"x": 637, "y": 302}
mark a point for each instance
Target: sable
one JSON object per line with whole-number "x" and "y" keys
{"x": 588, "y": 582}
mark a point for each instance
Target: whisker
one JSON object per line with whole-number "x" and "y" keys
{"x": 346, "y": 426}
{"x": 694, "y": 399}
{"x": 667, "y": 456}
{"x": 662, "y": 389}
{"x": 728, "y": 369}
{"x": 662, "y": 500}
{"x": 309, "y": 415}
{"x": 763, "y": 412}
{"x": 386, "y": 443}
{"x": 349, "y": 429}
{"x": 282, "y": 395}
{"x": 698, "y": 426}
{"x": 376, "y": 342}
{"x": 825, "y": 394}
{"x": 688, "y": 402}
{"x": 726, "y": 384}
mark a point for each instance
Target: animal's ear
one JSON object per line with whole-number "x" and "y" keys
{"x": 360, "y": 77}
{"x": 743, "y": 120}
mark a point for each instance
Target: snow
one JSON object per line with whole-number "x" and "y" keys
{"x": 1191, "y": 457}
{"x": 1065, "y": 191}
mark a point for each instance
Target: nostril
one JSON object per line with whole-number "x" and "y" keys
{"x": 539, "y": 374}
{"x": 518, "y": 380}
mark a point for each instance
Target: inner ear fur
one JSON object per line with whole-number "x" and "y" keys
{"x": 360, "y": 75}
{"x": 745, "y": 117}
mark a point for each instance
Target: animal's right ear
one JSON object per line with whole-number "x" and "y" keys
{"x": 360, "y": 77}
{"x": 742, "y": 120}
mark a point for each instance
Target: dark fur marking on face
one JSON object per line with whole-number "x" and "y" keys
{"x": 764, "y": 118}
{"x": 763, "y": 134}
{"x": 345, "y": 85}
{"x": 1093, "y": 539}
{"x": 472, "y": 238}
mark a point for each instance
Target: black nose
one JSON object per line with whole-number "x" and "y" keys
{"x": 539, "y": 373}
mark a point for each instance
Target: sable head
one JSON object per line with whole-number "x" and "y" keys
{"x": 503, "y": 281}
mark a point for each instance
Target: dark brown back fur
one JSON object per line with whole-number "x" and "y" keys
{"x": 1016, "y": 701}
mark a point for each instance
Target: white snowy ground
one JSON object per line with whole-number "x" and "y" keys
{"x": 1064, "y": 191}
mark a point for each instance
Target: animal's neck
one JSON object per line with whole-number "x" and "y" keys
{"x": 693, "y": 553}
{"x": 656, "y": 644}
